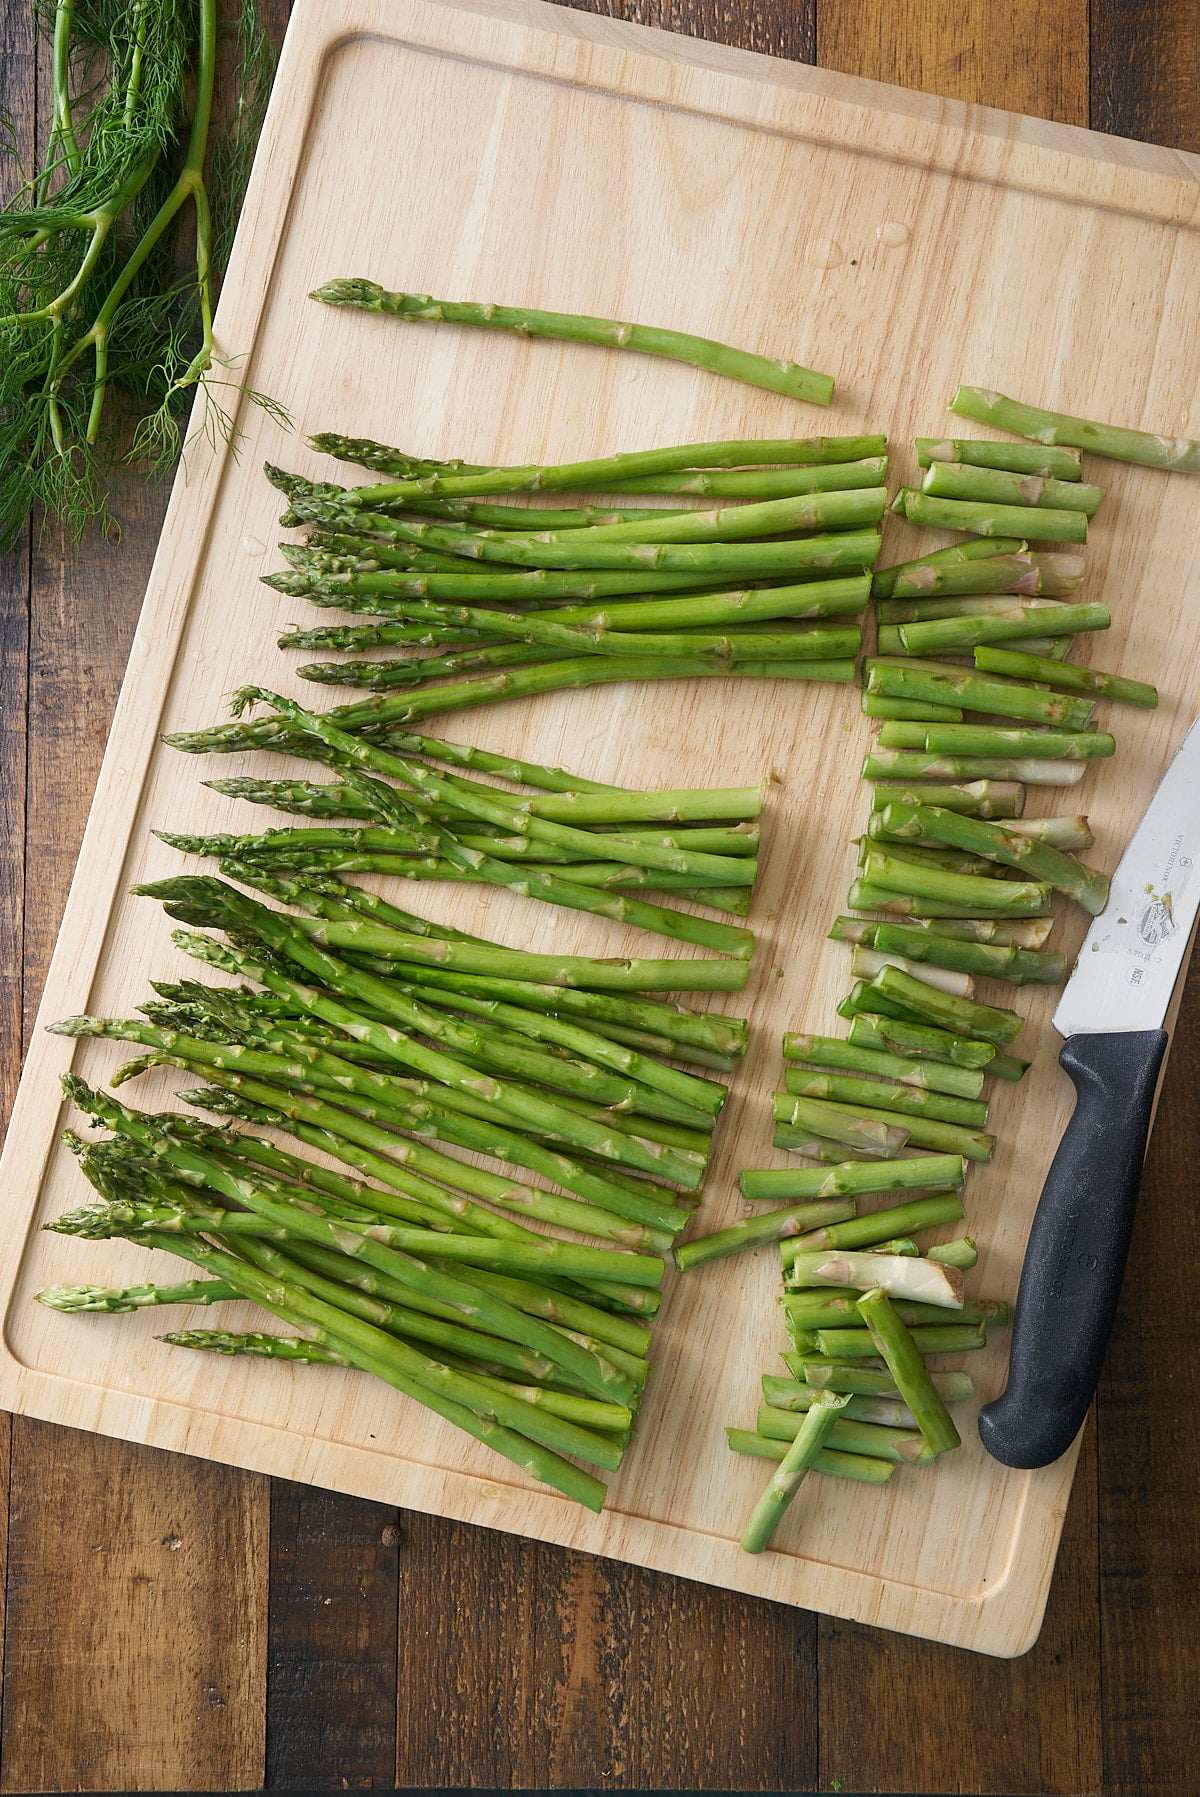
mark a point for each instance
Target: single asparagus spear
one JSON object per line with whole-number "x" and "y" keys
{"x": 797, "y": 452}
{"x": 784, "y": 1483}
{"x": 1066, "y": 674}
{"x": 893, "y": 765}
{"x": 855, "y": 1434}
{"x": 928, "y": 567}
{"x": 975, "y": 739}
{"x": 836, "y": 1123}
{"x": 849, "y": 1178}
{"x": 900, "y": 679}
{"x": 975, "y": 894}
{"x": 952, "y": 1388}
{"x": 940, "y": 636}
{"x": 982, "y": 798}
{"x": 899, "y": 1349}
{"x": 1122, "y": 445}
{"x": 949, "y": 480}
{"x": 1018, "y": 458}
{"x": 830, "y": 1461}
{"x": 755, "y": 1232}
{"x": 75, "y": 1298}
{"x": 891, "y": 1096}
{"x": 833, "y": 1052}
{"x": 912, "y": 710}
{"x": 798, "y": 1395}
{"x": 865, "y": 963}
{"x": 878, "y": 1226}
{"x": 928, "y": 1338}
{"x": 987, "y": 519}
{"x": 921, "y": 1041}
{"x": 680, "y": 346}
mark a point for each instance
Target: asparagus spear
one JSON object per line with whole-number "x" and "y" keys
{"x": 878, "y": 1226}
{"x": 889, "y": 1096}
{"x": 899, "y": 679}
{"x": 1122, "y": 445}
{"x": 1066, "y": 674}
{"x": 999, "y": 961}
{"x": 989, "y": 519}
{"x": 832, "y": 1052}
{"x": 1018, "y": 458}
{"x": 830, "y": 1461}
{"x": 930, "y": 567}
{"x": 893, "y": 765}
{"x": 961, "y": 1016}
{"x": 680, "y": 346}
{"x": 921, "y": 1041}
{"x": 951, "y": 739}
{"x": 975, "y": 894}
{"x": 952, "y": 1388}
{"x": 982, "y": 798}
{"x": 1050, "y": 618}
{"x": 810, "y": 1438}
{"x": 855, "y": 1434}
{"x": 901, "y": 1352}
{"x": 949, "y": 480}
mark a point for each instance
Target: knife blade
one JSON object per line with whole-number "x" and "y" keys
{"x": 1111, "y": 1013}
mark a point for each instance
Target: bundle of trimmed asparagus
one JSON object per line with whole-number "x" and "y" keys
{"x": 484, "y": 602}
{"x": 903, "y": 1094}
{"x": 370, "y": 1035}
{"x": 569, "y": 841}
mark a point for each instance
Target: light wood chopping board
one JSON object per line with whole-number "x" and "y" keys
{"x": 510, "y": 151}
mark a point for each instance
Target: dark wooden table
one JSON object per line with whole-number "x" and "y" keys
{"x": 173, "y": 1624}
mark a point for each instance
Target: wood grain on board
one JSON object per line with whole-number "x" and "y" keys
{"x": 1025, "y": 1733}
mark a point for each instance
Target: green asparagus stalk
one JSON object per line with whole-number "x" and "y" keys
{"x": 899, "y": 765}
{"x": 830, "y": 1461}
{"x": 982, "y": 798}
{"x": 986, "y": 518}
{"x": 814, "y": 1429}
{"x": 1068, "y": 675}
{"x": 949, "y": 480}
{"x": 974, "y": 894}
{"x": 679, "y": 346}
{"x": 1121, "y": 445}
{"x": 939, "y": 636}
{"x": 890, "y": 1096}
{"x": 910, "y": 710}
{"x": 797, "y": 1395}
{"x": 929, "y": 568}
{"x": 110, "y": 1299}
{"x": 932, "y": 680}
{"x": 878, "y": 1226}
{"x": 1017, "y": 458}
{"x": 920, "y": 1041}
{"x": 854, "y": 1434}
{"x": 902, "y": 1353}
{"x": 952, "y": 1388}
{"x": 975, "y": 739}
{"x": 849, "y": 1178}
{"x": 833, "y": 1052}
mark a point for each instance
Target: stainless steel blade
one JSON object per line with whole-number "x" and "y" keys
{"x": 1130, "y": 959}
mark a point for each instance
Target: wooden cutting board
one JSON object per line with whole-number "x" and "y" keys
{"x": 510, "y": 151}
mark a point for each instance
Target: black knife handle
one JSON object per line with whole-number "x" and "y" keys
{"x": 1075, "y": 1258}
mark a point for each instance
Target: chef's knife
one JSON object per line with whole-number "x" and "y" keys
{"x": 1111, "y": 1014}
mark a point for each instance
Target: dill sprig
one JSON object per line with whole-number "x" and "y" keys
{"x": 111, "y": 248}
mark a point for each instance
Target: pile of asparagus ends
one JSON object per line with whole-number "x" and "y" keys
{"x": 397, "y": 1048}
{"x": 955, "y": 884}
